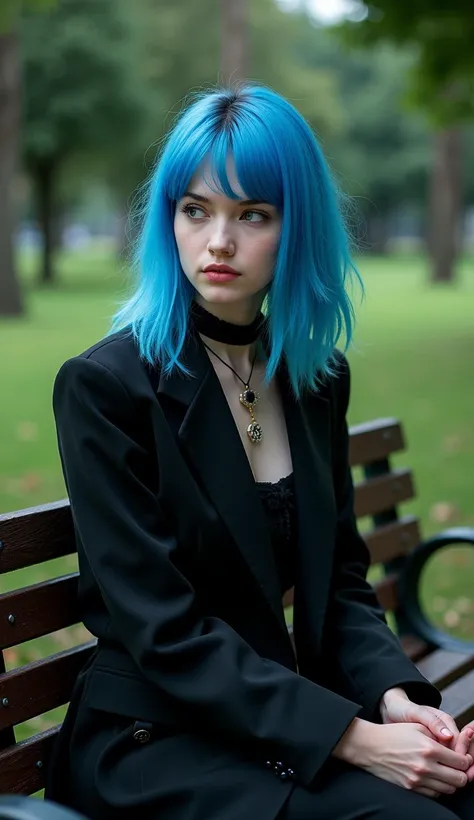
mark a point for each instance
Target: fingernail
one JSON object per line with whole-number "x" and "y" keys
{"x": 446, "y": 732}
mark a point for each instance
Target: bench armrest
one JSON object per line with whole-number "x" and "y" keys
{"x": 27, "y": 808}
{"x": 409, "y": 581}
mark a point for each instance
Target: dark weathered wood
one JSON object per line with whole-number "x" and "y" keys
{"x": 35, "y": 535}
{"x": 288, "y": 597}
{"x": 383, "y": 493}
{"x": 387, "y": 594}
{"x": 7, "y": 736}
{"x": 391, "y": 540}
{"x": 374, "y": 440}
{"x": 38, "y": 610}
{"x": 40, "y": 686}
{"x": 415, "y": 648}
{"x": 23, "y": 767}
{"x": 442, "y": 667}
{"x": 458, "y": 699}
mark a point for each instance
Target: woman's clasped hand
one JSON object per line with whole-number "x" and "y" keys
{"x": 416, "y": 747}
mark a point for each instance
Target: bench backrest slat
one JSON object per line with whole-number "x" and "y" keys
{"x": 391, "y": 540}
{"x": 51, "y": 680}
{"x": 38, "y": 610}
{"x": 22, "y": 768}
{"x": 374, "y": 441}
{"x": 376, "y": 495}
{"x": 32, "y": 536}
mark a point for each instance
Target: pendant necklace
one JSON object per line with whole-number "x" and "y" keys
{"x": 248, "y": 398}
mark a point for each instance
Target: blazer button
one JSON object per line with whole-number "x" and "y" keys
{"x": 142, "y": 735}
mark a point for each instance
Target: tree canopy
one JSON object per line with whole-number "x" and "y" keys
{"x": 443, "y": 33}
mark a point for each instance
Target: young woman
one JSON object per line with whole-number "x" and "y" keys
{"x": 205, "y": 451}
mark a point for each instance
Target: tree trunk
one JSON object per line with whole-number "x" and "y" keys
{"x": 233, "y": 14}
{"x": 446, "y": 205}
{"x": 378, "y": 233}
{"x": 11, "y": 303}
{"x": 44, "y": 177}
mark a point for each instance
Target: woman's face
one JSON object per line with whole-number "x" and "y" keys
{"x": 211, "y": 229}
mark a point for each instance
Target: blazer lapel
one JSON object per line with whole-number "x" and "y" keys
{"x": 212, "y": 442}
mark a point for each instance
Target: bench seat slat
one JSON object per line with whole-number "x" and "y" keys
{"x": 38, "y": 610}
{"x": 458, "y": 699}
{"x": 374, "y": 441}
{"x": 35, "y": 535}
{"x": 23, "y": 767}
{"x": 415, "y": 648}
{"x": 40, "y": 686}
{"x": 442, "y": 667}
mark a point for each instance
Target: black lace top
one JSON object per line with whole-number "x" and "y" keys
{"x": 278, "y": 499}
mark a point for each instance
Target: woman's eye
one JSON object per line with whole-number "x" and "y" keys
{"x": 262, "y": 217}
{"x": 192, "y": 212}
{"x": 188, "y": 208}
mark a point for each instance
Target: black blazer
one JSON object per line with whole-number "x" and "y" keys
{"x": 178, "y": 582}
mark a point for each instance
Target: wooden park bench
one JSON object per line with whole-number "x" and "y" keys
{"x": 32, "y": 536}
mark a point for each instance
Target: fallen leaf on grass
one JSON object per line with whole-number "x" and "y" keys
{"x": 11, "y": 657}
{"x": 451, "y": 618}
{"x": 30, "y": 482}
{"x": 464, "y": 605}
{"x": 22, "y": 485}
{"x": 444, "y": 511}
{"x": 453, "y": 443}
{"x": 27, "y": 431}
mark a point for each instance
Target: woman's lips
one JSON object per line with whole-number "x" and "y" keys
{"x": 216, "y": 276}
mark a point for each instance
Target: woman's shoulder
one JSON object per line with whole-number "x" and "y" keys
{"x": 331, "y": 385}
{"x": 116, "y": 350}
{"x": 114, "y": 358}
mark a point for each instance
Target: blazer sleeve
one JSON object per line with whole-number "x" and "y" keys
{"x": 366, "y": 655}
{"x": 217, "y": 682}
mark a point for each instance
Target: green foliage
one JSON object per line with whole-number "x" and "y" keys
{"x": 383, "y": 153}
{"x": 10, "y": 11}
{"x": 443, "y": 75}
{"x": 79, "y": 84}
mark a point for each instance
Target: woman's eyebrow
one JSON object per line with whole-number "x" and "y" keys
{"x": 201, "y": 198}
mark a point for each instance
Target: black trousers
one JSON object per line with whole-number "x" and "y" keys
{"x": 349, "y": 793}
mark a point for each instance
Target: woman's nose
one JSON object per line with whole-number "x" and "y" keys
{"x": 221, "y": 241}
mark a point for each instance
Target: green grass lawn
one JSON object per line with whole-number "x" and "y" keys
{"x": 414, "y": 361}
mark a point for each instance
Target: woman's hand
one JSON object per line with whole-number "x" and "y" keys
{"x": 405, "y": 754}
{"x": 396, "y": 707}
{"x": 465, "y": 745}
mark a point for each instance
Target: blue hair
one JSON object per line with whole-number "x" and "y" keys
{"x": 277, "y": 159}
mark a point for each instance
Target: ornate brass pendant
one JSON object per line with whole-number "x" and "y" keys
{"x": 249, "y": 399}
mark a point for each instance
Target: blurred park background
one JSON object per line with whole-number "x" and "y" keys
{"x": 88, "y": 88}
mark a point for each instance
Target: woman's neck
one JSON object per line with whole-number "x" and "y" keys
{"x": 240, "y": 357}
{"x": 235, "y": 342}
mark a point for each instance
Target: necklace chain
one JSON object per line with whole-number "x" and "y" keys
{"x": 248, "y": 398}
{"x": 247, "y": 383}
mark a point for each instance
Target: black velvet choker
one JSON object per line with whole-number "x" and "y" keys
{"x": 222, "y": 331}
